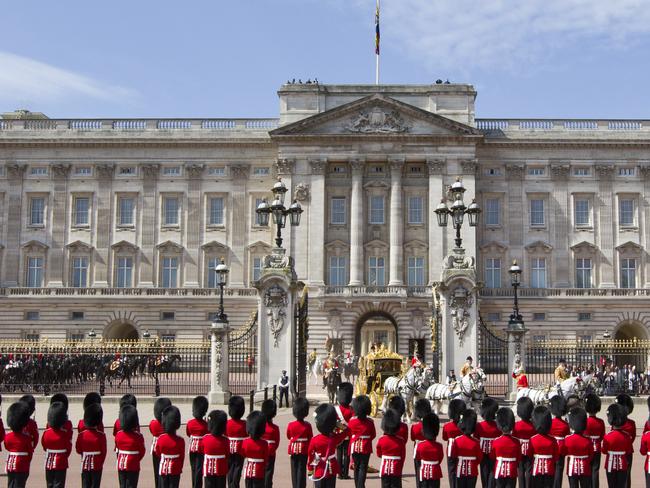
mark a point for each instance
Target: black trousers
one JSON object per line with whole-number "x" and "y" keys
{"x": 647, "y": 480}
{"x": 128, "y": 479}
{"x": 617, "y": 479}
{"x": 343, "y": 458}
{"x": 91, "y": 479}
{"x": 298, "y": 470}
{"x": 254, "y": 483}
{"x": 284, "y": 392}
{"x": 595, "y": 470}
{"x": 525, "y": 471}
{"x": 541, "y": 481}
{"x": 156, "y": 464}
{"x": 416, "y": 465}
{"x": 487, "y": 472}
{"x": 325, "y": 483}
{"x": 505, "y": 482}
{"x": 630, "y": 458}
{"x": 235, "y": 466}
{"x": 196, "y": 466}
{"x": 17, "y": 480}
{"x": 360, "y": 469}
{"x": 580, "y": 481}
{"x": 268, "y": 473}
{"x": 465, "y": 482}
{"x": 430, "y": 484}
{"x": 55, "y": 478}
{"x": 559, "y": 472}
{"x": 214, "y": 482}
{"x": 451, "y": 472}
{"x": 391, "y": 482}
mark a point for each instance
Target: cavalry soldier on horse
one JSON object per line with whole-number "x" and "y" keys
{"x": 330, "y": 365}
{"x": 468, "y": 367}
{"x": 561, "y": 372}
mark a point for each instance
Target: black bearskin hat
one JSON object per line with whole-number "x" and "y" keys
{"x": 18, "y": 416}
{"x": 171, "y": 419}
{"x": 301, "y": 408}
{"x": 489, "y": 407}
{"x": 573, "y": 401}
{"x": 578, "y": 420}
{"x": 625, "y": 400}
{"x": 542, "y": 419}
{"x": 592, "y": 403}
{"x": 270, "y": 409}
{"x": 525, "y": 408}
{"x": 505, "y": 420}
{"x": 61, "y": 398}
{"x": 467, "y": 422}
{"x": 92, "y": 397}
{"x": 217, "y": 422}
{"x": 159, "y": 406}
{"x": 30, "y": 401}
{"x": 93, "y": 415}
{"x": 236, "y": 407}
{"x": 421, "y": 408}
{"x": 397, "y": 403}
{"x": 256, "y": 424}
{"x": 558, "y": 406}
{"x": 391, "y": 421}
{"x": 128, "y": 399}
{"x": 361, "y": 406}
{"x": 455, "y": 408}
{"x": 57, "y": 415}
{"x": 616, "y": 415}
{"x": 326, "y": 418}
{"x": 129, "y": 420}
{"x": 344, "y": 393}
{"x": 430, "y": 426}
{"x": 199, "y": 407}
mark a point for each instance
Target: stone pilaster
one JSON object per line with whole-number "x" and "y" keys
{"x": 437, "y": 247}
{"x": 56, "y": 274}
{"x": 559, "y": 225}
{"x": 150, "y": 224}
{"x": 516, "y": 206}
{"x": 396, "y": 224}
{"x": 11, "y": 263}
{"x": 317, "y": 223}
{"x": 239, "y": 225}
{"x": 194, "y": 223}
{"x": 104, "y": 225}
{"x": 356, "y": 224}
{"x": 644, "y": 170}
{"x": 607, "y": 226}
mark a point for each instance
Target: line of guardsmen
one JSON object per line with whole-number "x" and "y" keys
{"x": 538, "y": 450}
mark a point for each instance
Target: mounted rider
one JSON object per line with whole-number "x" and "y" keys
{"x": 561, "y": 372}
{"x": 313, "y": 357}
{"x": 329, "y": 365}
{"x": 518, "y": 373}
{"x": 468, "y": 367}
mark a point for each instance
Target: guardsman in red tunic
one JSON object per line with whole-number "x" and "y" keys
{"x": 236, "y": 433}
{"x": 646, "y": 426}
{"x": 486, "y": 432}
{"x": 595, "y": 431}
{"x": 429, "y": 453}
{"x": 215, "y": 449}
{"x": 2, "y": 426}
{"x": 91, "y": 445}
{"x": 31, "y": 428}
{"x": 466, "y": 450}
{"x": 544, "y": 450}
{"x": 62, "y": 398}
{"x": 255, "y": 451}
{"x": 578, "y": 450}
{"x": 299, "y": 433}
{"x": 523, "y": 431}
{"x": 344, "y": 413}
{"x": 629, "y": 427}
{"x": 645, "y": 451}
{"x": 127, "y": 399}
{"x": 362, "y": 432}
{"x": 171, "y": 449}
{"x": 506, "y": 451}
{"x": 19, "y": 445}
{"x": 57, "y": 446}
{"x": 272, "y": 436}
{"x": 90, "y": 399}
{"x": 129, "y": 448}
{"x": 321, "y": 453}
{"x": 559, "y": 429}
{"x": 196, "y": 428}
{"x": 391, "y": 450}
{"x": 421, "y": 408}
{"x": 617, "y": 447}
{"x": 156, "y": 430}
{"x": 450, "y": 432}
{"x": 397, "y": 403}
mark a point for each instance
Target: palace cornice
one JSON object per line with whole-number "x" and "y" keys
{"x": 361, "y": 138}
{"x": 559, "y": 143}
{"x": 170, "y": 143}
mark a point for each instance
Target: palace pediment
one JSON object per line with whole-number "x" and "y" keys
{"x": 376, "y": 115}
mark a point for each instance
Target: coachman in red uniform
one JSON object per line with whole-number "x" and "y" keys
{"x": 578, "y": 450}
{"x": 91, "y": 445}
{"x": 523, "y": 431}
{"x": 196, "y": 428}
{"x": 450, "y": 432}
{"x": 543, "y": 449}
{"x": 344, "y": 413}
{"x": 156, "y": 430}
{"x": 255, "y": 451}
{"x": 629, "y": 427}
{"x": 57, "y": 446}
{"x": 391, "y": 450}
{"x": 236, "y": 433}
{"x": 215, "y": 449}
{"x": 421, "y": 408}
{"x": 559, "y": 429}
{"x": 129, "y": 447}
{"x": 429, "y": 453}
{"x": 486, "y": 432}
{"x": 595, "y": 432}
{"x": 617, "y": 447}
{"x": 171, "y": 449}
{"x": 466, "y": 450}
{"x": 19, "y": 445}
{"x": 299, "y": 434}
{"x": 362, "y": 433}
{"x": 90, "y": 399}
{"x": 506, "y": 451}
{"x": 321, "y": 453}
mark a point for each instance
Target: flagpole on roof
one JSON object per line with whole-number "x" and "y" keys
{"x": 377, "y": 44}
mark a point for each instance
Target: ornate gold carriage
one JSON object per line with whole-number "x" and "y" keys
{"x": 374, "y": 369}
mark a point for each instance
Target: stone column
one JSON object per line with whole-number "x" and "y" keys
{"x": 396, "y": 224}
{"x": 104, "y": 201}
{"x": 644, "y": 229}
{"x": 59, "y": 225}
{"x": 149, "y": 223}
{"x": 192, "y": 264}
{"x": 11, "y": 263}
{"x": 437, "y": 247}
{"x": 558, "y": 225}
{"x": 607, "y": 225}
{"x": 219, "y": 371}
{"x": 516, "y": 205}
{"x": 317, "y": 223}
{"x": 356, "y": 224}
{"x": 240, "y": 225}
{"x": 515, "y": 341}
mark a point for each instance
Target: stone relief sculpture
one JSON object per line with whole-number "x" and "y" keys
{"x": 301, "y": 193}
{"x": 460, "y": 316}
{"x": 275, "y": 300}
{"x": 218, "y": 347}
{"x": 377, "y": 121}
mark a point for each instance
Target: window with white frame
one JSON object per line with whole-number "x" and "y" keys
{"x": 169, "y": 272}
{"x": 536, "y": 171}
{"x": 376, "y": 213}
{"x": 170, "y": 210}
{"x": 37, "y": 211}
{"x": 81, "y": 211}
{"x": 626, "y": 211}
{"x": 583, "y": 272}
{"x": 124, "y": 272}
{"x": 492, "y": 211}
{"x": 415, "y": 210}
{"x": 493, "y": 172}
{"x": 537, "y": 212}
{"x": 126, "y": 211}
{"x": 34, "y": 274}
{"x": 628, "y": 273}
{"x": 339, "y": 169}
{"x": 171, "y": 171}
{"x": 38, "y": 170}
{"x": 261, "y": 171}
{"x": 79, "y": 272}
{"x": 127, "y": 171}
{"x": 337, "y": 211}
{"x": 582, "y": 214}
{"x": 415, "y": 274}
{"x": 257, "y": 268}
{"x": 83, "y": 170}
{"x": 493, "y": 272}
{"x": 213, "y": 262}
{"x": 256, "y": 217}
{"x": 217, "y": 171}
{"x": 581, "y": 172}
{"x": 376, "y": 271}
{"x": 628, "y": 171}
{"x": 538, "y": 273}
{"x": 216, "y": 211}
{"x": 338, "y": 270}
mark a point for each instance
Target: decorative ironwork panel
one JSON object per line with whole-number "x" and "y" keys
{"x": 302, "y": 335}
{"x": 242, "y": 357}
{"x": 493, "y": 358}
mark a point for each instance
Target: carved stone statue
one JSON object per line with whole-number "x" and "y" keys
{"x": 275, "y": 300}
{"x": 301, "y": 193}
{"x": 378, "y": 121}
{"x": 460, "y": 316}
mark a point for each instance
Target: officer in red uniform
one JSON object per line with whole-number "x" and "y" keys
{"x": 91, "y": 445}
{"x": 62, "y": 398}
{"x": 129, "y": 446}
{"x": 170, "y": 448}
{"x": 392, "y": 451}
{"x": 272, "y": 436}
{"x": 57, "y": 446}
{"x": 543, "y": 449}
{"x": 450, "y": 432}
{"x": 321, "y": 453}
{"x": 629, "y": 427}
{"x": 215, "y": 449}
{"x": 19, "y": 445}
{"x": 344, "y": 413}
{"x": 506, "y": 451}
{"x": 421, "y": 408}
{"x": 156, "y": 430}
{"x": 617, "y": 447}
{"x": 236, "y": 433}
{"x": 362, "y": 433}
{"x": 486, "y": 432}
{"x": 397, "y": 403}
{"x": 466, "y": 450}
{"x": 595, "y": 431}
{"x": 90, "y": 399}
{"x": 255, "y": 451}
{"x": 127, "y": 399}
{"x": 196, "y": 428}
{"x": 578, "y": 450}
{"x": 646, "y": 426}
{"x": 31, "y": 428}
{"x": 559, "y": 429}
{"x": 299, "y": 433}
{"x": 523, "y": 431}
{"x": 429, "y": 453}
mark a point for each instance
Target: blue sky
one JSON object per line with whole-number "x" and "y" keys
{"x": 538, "y": 58}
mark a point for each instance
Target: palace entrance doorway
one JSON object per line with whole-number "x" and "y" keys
{"x": 375, "y": 329}
{"x": 628, "y": 348}
{"x": 121, "y": 330}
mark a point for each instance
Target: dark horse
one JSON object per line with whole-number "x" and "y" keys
{"x": 332, "y": 382}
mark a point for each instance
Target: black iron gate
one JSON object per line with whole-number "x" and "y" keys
{"x": 493, "y": 358}
{"x": 242, "y": 357}
{"x": 302, "y": 334}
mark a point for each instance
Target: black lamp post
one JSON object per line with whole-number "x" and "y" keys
{"x": 221, "y": 271}
{"x": 92, "y": 334}
{"x": 457, "y": 211}
{"x": 279, "y": 211}
{"x": 516, "y": 320}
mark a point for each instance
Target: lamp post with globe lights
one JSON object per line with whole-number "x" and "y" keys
{"x": 279, "y": 211}
{"x": 219, "y": 380}
{"x": 516, "y": 328}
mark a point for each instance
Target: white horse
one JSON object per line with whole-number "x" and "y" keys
{"x": 470, "y": 388}
{"x": 574, "y": 385}
{"x": 407, "y": 387}
{"x": 316, "y": 370}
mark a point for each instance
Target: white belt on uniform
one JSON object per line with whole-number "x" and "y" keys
{"x": 572, "y": 460}
{"x": 415, "y": 447}
{"x": 430, "y": 463}
{"x": 500, "y": 461}
{"x": 163, "y": 458}
{"x": 56, "y": 451}
{"x": 537, "y": 458}
{"x": 388, "y": 458}
{"x": 612, "y": 456}
{"x": 85, "y": 455}
{"x": 214, "y": 456}
{"x": 559, "y": 438}
{"x": 484, "y": 440}
{"x": 300, "y": 439}
{"x": 461, "y": 461}
{"x": 237, "y": 438}
{"x": 128, "y": 453}
{"x": 13, "y": 453}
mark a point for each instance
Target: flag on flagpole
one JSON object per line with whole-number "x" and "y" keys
{"x": 377, "y": 29}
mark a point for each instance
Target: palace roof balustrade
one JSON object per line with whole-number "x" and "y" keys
{"x": 566, "y": 292}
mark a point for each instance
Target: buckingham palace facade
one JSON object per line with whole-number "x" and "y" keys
{"x": 116, "y": 225}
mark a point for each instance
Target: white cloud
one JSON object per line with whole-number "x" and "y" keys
{"x": 34, "y": 82}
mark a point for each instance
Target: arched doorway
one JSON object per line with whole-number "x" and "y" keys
{"x": 121, "y": 330}
{"x": 376, "y": 328}
{"x": 626, "y": 350}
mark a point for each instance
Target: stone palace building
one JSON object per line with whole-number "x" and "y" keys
{"x": 115, "y": 225}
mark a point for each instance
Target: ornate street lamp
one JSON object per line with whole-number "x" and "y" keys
{"x": 457, "y": 211}
{"x": 146, "y": 334}
{"x": 516, "y": 320}
{"x": 221, "y": 270}
{"x": 92, "y": 334}
{"x": 279, "y": 211}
